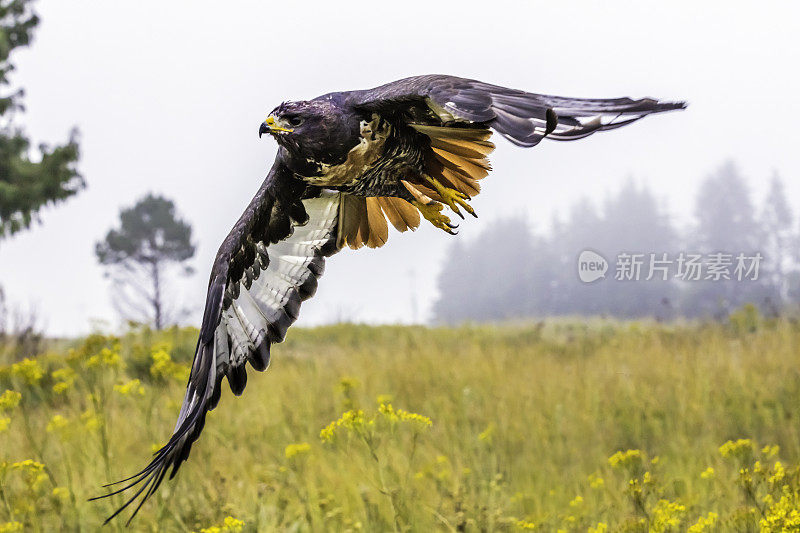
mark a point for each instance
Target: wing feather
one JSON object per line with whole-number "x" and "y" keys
{"x": 267, "y": 266}
{"x": 523, "y": 118}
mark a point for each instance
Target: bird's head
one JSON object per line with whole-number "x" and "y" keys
{"x": 289, "y": 118}
{"x": 310, "y": 130}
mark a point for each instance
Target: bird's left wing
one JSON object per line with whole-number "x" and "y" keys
{"x": 269, "y": 263}
{"x": 521, "y": 117}
{"x": 451, "y": 121}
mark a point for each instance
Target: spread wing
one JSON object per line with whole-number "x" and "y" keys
{"x": 453, "y": 117}
{"x": 521, "y": 117}
{"x": 269, "y": 263}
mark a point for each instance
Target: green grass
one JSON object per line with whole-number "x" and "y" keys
{"x": 525, "y": 418}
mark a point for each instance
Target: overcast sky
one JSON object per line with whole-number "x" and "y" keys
{"x": 168, "y": 97}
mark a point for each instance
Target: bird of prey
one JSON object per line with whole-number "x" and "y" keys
{"x": 348, "y": 164}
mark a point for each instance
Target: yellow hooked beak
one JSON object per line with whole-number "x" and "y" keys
{"x": 270, "y": 126}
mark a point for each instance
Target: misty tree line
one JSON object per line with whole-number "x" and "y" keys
{"x": 510, "y": 271}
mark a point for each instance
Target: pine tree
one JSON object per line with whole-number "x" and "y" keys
{"x": 151, "y": 239}
{"x": 776, "y": 221}
{"x": 726, "y": 223}
{"x": 26, "y": 185}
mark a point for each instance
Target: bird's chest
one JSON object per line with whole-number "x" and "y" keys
{"x": 360, "y": 159}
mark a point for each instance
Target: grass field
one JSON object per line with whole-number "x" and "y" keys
{"x": 565, "y": 425}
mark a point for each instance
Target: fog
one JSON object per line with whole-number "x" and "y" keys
{"x": 168, "y": 98}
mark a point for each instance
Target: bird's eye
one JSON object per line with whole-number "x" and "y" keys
{"x": 295, "y": 121}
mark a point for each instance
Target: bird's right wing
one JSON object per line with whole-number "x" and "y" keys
{"x": 269, "y": 263}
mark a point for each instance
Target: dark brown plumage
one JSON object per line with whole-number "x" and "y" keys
{"x": 347, "y": 162}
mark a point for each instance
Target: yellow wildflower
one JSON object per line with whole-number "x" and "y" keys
{"x": 595, "y": 481}
{"x": 61, "y": 494}
{"x": 778, "y": 473}
{"x": 232, "y": 524}
{"x": 10, "y": 527}
{"x": 384, "y": 398}
{"x": 28, "y": 465}
{"x": 61, "y": 387}
{"x": 770, "y": 451}
{"x": 33, "y": 472}
{"x": 60, "y": 426}
{"x": 626, "y": 459}
{"x": 783, "y": 515}
{"x": 577, "y": 501}
{"x": 400, "y": 415}
{"x": 486, "y": 434}
{"x": 57, "y": 424}
{"x": 65, "y": 377}
{"x": 9, "y": 400}
{"x": 708, "y": 473}
{"x": 704, "y": 523}
{"x": 347, "y": 385}
{"x": 666, "y": 515}
{"x": 352, "y": 420}
{"x": 388, "y": 411}
{"x": 422, "y": 420}
{"x": 524, "y": 524}
{"x": 4, "y": 423}
{"x": 164, "y": 367}
{"x": 229, "y": 525}
{"x": 742, "y": 448}
{"x": 293, "y": 450}
{"x": 132, "y": 387}
{"x": 90, "y": 419}
{"x": 28, "y": 370}
{"x": 601, "y": 527}
{"x": 635, "y": 488}
{"x": 63, "y": 374}
{"x": 106, "y": 358}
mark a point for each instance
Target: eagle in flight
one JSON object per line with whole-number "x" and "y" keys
{"x": 348, "y": 164}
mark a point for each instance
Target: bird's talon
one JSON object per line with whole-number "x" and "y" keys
{"x": 452, "y": 198}
{"x": 432, "y": 212}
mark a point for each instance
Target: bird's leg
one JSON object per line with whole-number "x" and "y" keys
{"x": 451, "y": 197}
{"x": 430, "y": 209}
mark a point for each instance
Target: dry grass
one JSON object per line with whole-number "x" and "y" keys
{"x": 525, "y": 419}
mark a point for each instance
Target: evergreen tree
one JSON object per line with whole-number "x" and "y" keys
{"x": 725, "y": 213}
{"x": 793, "y": 276}
{"x": 151, "y": 239}
{"x": 726, "y": 223}
{"x": 631, "y": 222}
{"x": 27, "y": 185}
{"x": 490, "y": 278}
{"x": 776, "y": 222}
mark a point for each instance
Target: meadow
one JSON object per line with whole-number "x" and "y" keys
{"x": 591, "y": 426}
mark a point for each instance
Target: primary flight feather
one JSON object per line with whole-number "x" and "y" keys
{"x": 348, "y": 165}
